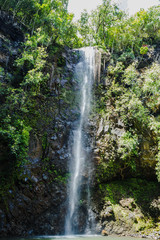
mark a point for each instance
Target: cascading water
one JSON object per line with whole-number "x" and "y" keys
{"x": 80, "y": 163}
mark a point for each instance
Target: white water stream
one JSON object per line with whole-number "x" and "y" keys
{"x": 84, "y": 74}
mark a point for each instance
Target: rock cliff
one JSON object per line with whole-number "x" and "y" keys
{"x": 125, "y": 201}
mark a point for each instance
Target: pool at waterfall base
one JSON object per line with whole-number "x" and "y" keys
{"x": 75, "y": 237}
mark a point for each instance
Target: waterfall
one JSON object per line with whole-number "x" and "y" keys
{"x": 80, "y": 163}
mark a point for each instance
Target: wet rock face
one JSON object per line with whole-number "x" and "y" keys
{"x": 123, "y": 218}
{"x": 34, "y": 207}
{"x": 11, "y": 37}
{"x": 79, "y": 220}
{"x": 107, "y": 134}
{"x": 129, "y": 207}
{"x": 109, "y": 130}
{"x": 10, "y": 28}
{"x": 37, "y": 203}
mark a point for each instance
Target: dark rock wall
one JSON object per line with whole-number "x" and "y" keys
{"x": 128, "y": 209}
{"x": 11, "y": 36}
{"x": 38, "y": 202}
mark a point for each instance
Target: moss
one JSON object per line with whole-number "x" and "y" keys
{"x": 120, "y": 213}
{"x": 55, "y": 174}
{"x": 144, "y": 225}
{"x": 131, "y": 201}
{"x": 142, "y": 191}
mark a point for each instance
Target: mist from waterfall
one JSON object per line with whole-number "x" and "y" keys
{"x": 79, "y": 163}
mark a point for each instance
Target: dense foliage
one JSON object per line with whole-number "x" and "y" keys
{"x": 130, "y": 88}
{"x": 109, "y": 27}
{"x": 48, "y": 29}
{"x": 132, "y": 74}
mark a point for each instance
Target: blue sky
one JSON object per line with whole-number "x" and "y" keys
{"x": 77, "y": 6}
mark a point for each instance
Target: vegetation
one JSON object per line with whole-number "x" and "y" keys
{"x": 110, "y": 28}
{"x": 132, "y": 74}
{"x": 24, "y": 88}
{"x": 37, "y": 96}
{"x": 134, "y": 101}
{"x": 131, "y": 94}
{"x": 132, "y": 196}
